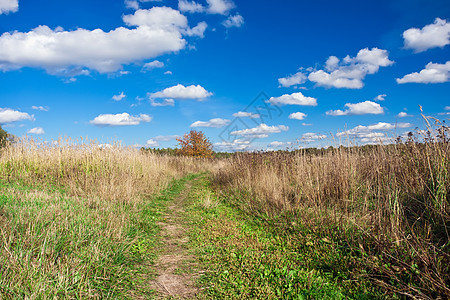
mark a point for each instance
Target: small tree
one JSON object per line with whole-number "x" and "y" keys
{"x": 195, "y": 143}
{"x": 4, "y": 137}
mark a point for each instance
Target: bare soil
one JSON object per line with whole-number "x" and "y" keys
{"x": 173, "y": 281}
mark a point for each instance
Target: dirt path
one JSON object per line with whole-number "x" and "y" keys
{"x": 170, "y": 282}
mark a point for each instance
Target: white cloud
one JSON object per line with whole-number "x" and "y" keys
{"x": 350, "y": 72}
{"x": 234, "y": 21}
{"x": 361, "y": 131}
{"x": 221, "y": 7}
{"x": 277, "y": 144}
{"x": 430, "y": 36}
{"x": 168, "y": 72}
{"x": 36, "y": 130}
{"x": 236, "y": 145}
{"x": 123, "y": 119}
{"x": 371, "y": 134}
{"x": 153, "y": 65}
{"x": 262, "y": 131}
{"x": 180, "y": 91}
{"x": 198, "y": 30}
{"x": 447, "y": 108}
{"x": 190, "y": 6}
{"x": 159, "y": 31}
{"x": 244, "y": 114}
{"x": 297, "y": 116}
{"x": 7, "y": 6}
{"x": 8, "y": 115}
{"x": 381, "y": 97}
{"x": 157, "y": 17}
{"x": 295, "y": 79}
{"x": 216, "y": 123}
{"x": 433, "y": 73}
{"x": 403, "y": 115}
{"x": 133, "y": 4}
{"x": 165, "y": 138}
{"x": 119, "y": 97}
{"x": 152, "y": 143}
{"x": 312, "y": 137}
{"x": 165, "y": 102}
{"x": 164, "y": 18}
{"x": 293, "y": 99}
{"x": 362, "y": 108}
{"x": 41, "y": 108}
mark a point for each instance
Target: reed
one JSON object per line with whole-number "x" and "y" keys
{"x": 389, "y": 204}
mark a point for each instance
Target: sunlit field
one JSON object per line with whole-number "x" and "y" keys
{"x": 78, "y": 220}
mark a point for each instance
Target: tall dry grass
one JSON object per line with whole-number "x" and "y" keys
{"x": 77, "y": 219}
{"x": 389, "y": 203}
{"x": 84, "y": 168}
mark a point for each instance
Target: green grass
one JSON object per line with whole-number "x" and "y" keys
{"x": 245, "y": 257}
{"x": 55, "y": 245}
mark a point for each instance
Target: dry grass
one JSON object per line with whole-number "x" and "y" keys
{"x": 77, "y": 220}
{"x": 389, "y": 203}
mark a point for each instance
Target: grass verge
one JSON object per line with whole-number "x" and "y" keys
{"x": 249, "y": 258}
{"x": 54, "y": 245}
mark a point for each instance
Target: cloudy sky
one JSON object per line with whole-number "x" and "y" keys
{"x": 250, "y": 74}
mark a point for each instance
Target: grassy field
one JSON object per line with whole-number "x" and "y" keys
{"x": 81, "y": 221}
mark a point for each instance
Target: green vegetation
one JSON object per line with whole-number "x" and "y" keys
{"x": 56, "y": 245}
{"x": 80, "y": 221}
{"x": 246, "y": 257}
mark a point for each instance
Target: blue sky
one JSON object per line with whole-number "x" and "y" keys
{"x": 250, "y": 74}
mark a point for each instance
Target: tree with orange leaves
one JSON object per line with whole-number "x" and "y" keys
{"x": 195, "y": 143}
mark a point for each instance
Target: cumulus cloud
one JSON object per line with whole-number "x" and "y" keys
{"x": 221, "y": 7}
{"x": 180, "y": 91}
{"x": 293, "y": 99}
{"x": 433, "y": 73}
{"x": 165, "y": 102}
{"x": 371, "y": 133}
{"x": 153, "y": 65}
{"x": 234, "y": 21}
{"x": 346, "y": 73}
{"x": 310, "y": 137}
{"x": 381, "y": 97}
{"x": 236, "y": 145}
{"x": 133, "y": 4}
{"x": 215, "y": 123}
{"x": 362, "y": 108}
{"x": 119, "y": 97}
{"x": 244, "y": 114}
{"x": 295, "y": 79}
{"x": 7, "y": 6}
{"x": 165, "y": 138}
{"x": 36, "y": 130}
{"x": 278, "y": 145}
{"x": 190, "y": 6}
{"x": 158, "y": 31}
{"x": 403, "y": 115}
{"x": 165, "y": 18}
{"x": 430, "y": 36}
{"x": 261, "y": 131}
{"x": 152, "y": 143}
{"x": 123, "y": 119}
{"x": 41, "y": 108}
{"x": 297, "y": 116}
{"x": 8, "y": 115}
